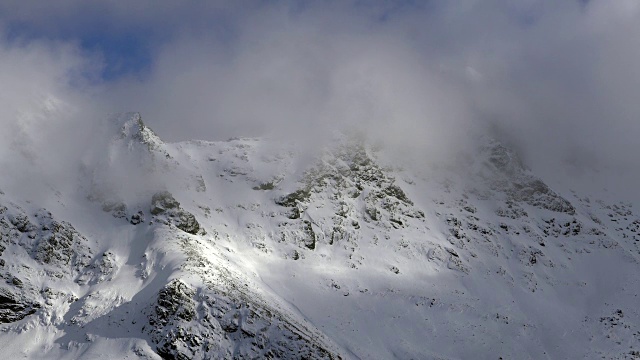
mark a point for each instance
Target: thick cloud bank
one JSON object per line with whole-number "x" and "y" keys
{"x": 556, "y": 80}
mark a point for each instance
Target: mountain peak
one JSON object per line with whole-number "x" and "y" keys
{"x": 132, "y": 128}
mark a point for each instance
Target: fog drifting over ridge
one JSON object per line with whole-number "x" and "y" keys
{"x": 556, "y": 81}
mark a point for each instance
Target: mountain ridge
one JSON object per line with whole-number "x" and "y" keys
{"x": 231, "y": 250}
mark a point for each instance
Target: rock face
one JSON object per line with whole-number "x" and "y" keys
{"x": 60, "y": 244}
{"x": 165, "y": 208}
{"x": 55, "y": 244}
{"x": 360, "y": 191}
{"x": 14, "y": 307}
{"x": 163, "y": 201}
{"x": 510, "y": 176}
{"x": 218, "y": 326}
{"x": 32, "y": 246}
{"x": 133, "y": 130}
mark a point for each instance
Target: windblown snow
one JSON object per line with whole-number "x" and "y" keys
{"x": 247, "y": 249}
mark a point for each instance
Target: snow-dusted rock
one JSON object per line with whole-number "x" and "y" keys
{"x": 343, "y": 254}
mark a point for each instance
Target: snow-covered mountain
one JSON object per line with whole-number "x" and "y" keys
{"x": 250, "y": 249}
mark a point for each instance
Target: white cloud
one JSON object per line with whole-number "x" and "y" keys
{"x": 558, "y": 79}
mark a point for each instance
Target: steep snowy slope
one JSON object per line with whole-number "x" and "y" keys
{"x": 248, "y": 249}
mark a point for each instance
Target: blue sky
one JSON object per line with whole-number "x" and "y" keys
{"x": 123, "y": 53}
{"x": 124, "y": 36}
{"x": 128, "y": 46}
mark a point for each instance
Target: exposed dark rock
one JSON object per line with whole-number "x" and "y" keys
{"x": 17, "y": 282}
{"x": 265, "y": 186}
{"x": 58, "y": 244}
{"x": 163, "y": 201}
{"x": 291, "y": 200}
{"x": 137, "y": 218}
{"x": 187, "y": 222}
{"x": 116, "y": 208}
{"x": 294, "y": 213}
{"x": 175, "y": 301}
{"x": 218, "y": 326}
{"x": 22, "y": 223}
{"x": 350, "y": 172}
{"x": 14, "y": 307}
{"x": 310, "y": 239}
{"x": 509, "y": 175}
{"x": 395, "y": 191}
{"x": 536, "y": 193}
{"x": 164, "y": 204}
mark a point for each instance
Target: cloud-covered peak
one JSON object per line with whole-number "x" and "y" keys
{"x": 556, "y": 81}
{"x": 131, "y": 130}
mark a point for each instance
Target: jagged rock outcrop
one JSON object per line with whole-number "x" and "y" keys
{"x": 133, "y": 130}
{"x": 164, "y": 207}
{"x": 190, "y": 324}
{"x": 507, "y": 174}
{"x": 361, "y": 191}
{"x": 14, "y": 306}
{"x": 50, "y": 242}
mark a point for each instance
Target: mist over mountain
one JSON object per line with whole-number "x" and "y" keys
{"x": 319, "y": 179}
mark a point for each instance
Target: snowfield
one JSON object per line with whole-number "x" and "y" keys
{"x": 247, "y": 249}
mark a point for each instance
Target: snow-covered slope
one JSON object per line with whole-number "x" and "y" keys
{"x": 248, "y": 249}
